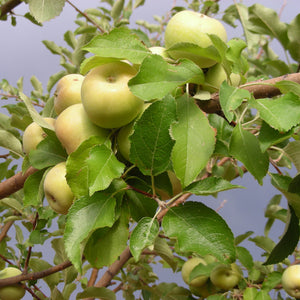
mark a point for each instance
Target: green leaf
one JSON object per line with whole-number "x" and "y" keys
{"x": 235, "y": 56}
{"x": 97, "y": 292}
{"x": 108, "y": 243}
{"x": 95, "y": 61}
{"x": 270, "y": 111}
{"x": 10, "y": 142}
{"x": 250, "y": 293}
{"x": 33, "y": 189}
{"x": 269, "y": 136}
{"x": 264, "y": 243}
{"x": 271, "y": 281}
{"x": 103, "y": 167}
{"x": 119, "y": 43}
{"x": 143, "y": 235}
{"x": 244, "y": 257}
{"x": 292, "y": 150}
{"x": 170, "y": 291}
{"x": 39, "y": 265}
{"x": 45, "y": 10}
{"x": 286, "y": 86}
{"x": 85, "y": 216}
{"x": 150, "y": 84}
{"x": 293, "y": 32}
{"x": 262, "y": 295}
{"x": 210, "y": 186}
{"x": 49, "y": 152}
{"x": 117, "y": 8}
{"x": 245, "y": 147}
{"x": 264, "y": 20}
{"x": 195, "y": 140}
{"x": 200, "y": 229}
{"x": 12, "y": 203}
{"x": 151, "y": 143}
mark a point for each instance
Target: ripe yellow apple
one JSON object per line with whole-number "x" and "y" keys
{"x": 73, "y": 126}
{"x": 34, "y": 134}
{"x": 106, "y": 97}
{"x": 56, "y": 189}
{"x": 187, "y": 268}
{"x": 226, "y": 277}
{"x": 192, "y": 27}
{"x": 216, "y": 75}
{"x": 68, "y": 92}
{"x": 291, "y": 280}
{"x": 11, "y": 292}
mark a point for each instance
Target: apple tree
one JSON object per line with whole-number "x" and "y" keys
{"x": 103, "y": 164}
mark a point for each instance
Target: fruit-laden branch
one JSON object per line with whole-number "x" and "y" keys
{"x": 14, "y": 183}
{"x": 8, "y": 6}
{"x": 35, "y": 275}
{"x": 259, "y": 88}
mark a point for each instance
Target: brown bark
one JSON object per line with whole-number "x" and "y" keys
{"x": 14, "y": 183}
{"x": 8, "y": 6}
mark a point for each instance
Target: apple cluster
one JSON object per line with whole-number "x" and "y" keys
{"x": 215, "y": 277}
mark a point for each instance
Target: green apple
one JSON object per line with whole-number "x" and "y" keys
{"x": 106, "y": 97}
{"x": 216, "y": 75}
{"x": 56, "y": 189}
{"x": 73, "y": 126}
{"x": 226, "y": 277}
{"x": 14, "y": 291}
{"x": 68, "y": 92}
{"x": 34, "y": 134}
{"x": 187, "y": 268}
{"x": 291, "y": 280}
{"x": 192, "y": 27}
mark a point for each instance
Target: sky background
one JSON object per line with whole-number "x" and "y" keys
{"x": 23, "y": 54}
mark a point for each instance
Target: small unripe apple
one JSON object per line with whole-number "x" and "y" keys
{"x": 216, "y": 75}
{"x": 68, "y": 92}
{"x": 106, "y": 97}
{"x": 56, "y": 189}
{"x": 291, "y": 280}
{"x": 226, "y": 277}
{"x": 73, "y": 126}
{"x": 192, "y": 27}
{"x": 14, "y": 291}
{"x": 34, "y": 134}
{"x": 187, "y": 268}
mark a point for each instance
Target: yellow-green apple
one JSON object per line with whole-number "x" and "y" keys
{"x": 68, "y": 92}
{"x": 106, "y": 97}
{"x": 291, "y": 280}
{"x": 216, "y": 75}
{"x": 34, "y": 134}
{"x": 192, "y": 27}
{"x": 187, "y": 268}
{"x": 226, "y": 277}
{"x": 14, "y": 291}
{"x": 73, "y": 126}
{"x": 57, "y": 191}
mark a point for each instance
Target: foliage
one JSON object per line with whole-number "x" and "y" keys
{"x": 119, "y": 219}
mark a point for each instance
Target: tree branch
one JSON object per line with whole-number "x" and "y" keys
{"x": 8, "y": 6}
{"x": 14, "y": 183}
{"x": 263, "y": 90}
{"x": 35, "y": 275}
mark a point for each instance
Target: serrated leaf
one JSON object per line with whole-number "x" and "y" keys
{"x": 117, "y": 8}
{"x": 200, "y": 229}
{"x": 231, "y": 98}
{"x": 264, "y": 243}
{"x": 265, "y": 20}
{"x": 85, "y": 216}
{"x": 271, "y": 281}
{"x": 244, "y": 257}
{"x": 170, "y": 291}
{"x": 195, "y": 140}
{"x": 108, "y": 243}
{"x": 95, "y": 61}
{"x": 210, "y": 186}
{"x": 162, "y": 249}
{"x": 103, "y": 167}
{"x": 292, "y": 150}
{"x": 286, "y": 86}
{"x": 235, "y": 56}
{"x": 97, "y": 292}
{"x": 250, "y": 293}
{"x": 143, "y": 235}
{"x": 11, "y": 142}
{"x": 45, "y": 10}
{"x": 293, "y": 35}
{"x": 33, "y": 189}
{"x": 151, "y": 143}
{"x": 119, "y": 43}
{"x": 149, "y": 84}
{"x": 39, "y": 265}
{"x": 12, "y": 203}
{"x": 245, "y": 147}
{"x": 270, "y": 111}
